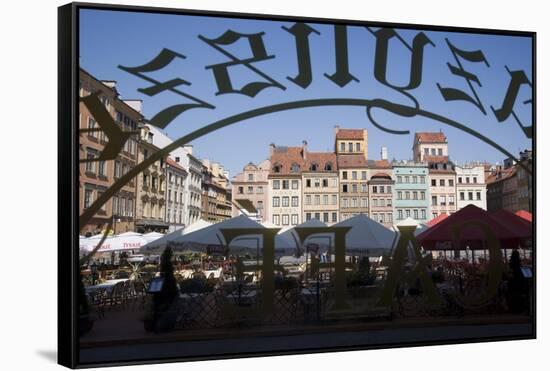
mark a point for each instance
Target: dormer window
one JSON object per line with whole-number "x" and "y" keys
{"x": 328, "y": 166}
{"x": 277, "y": 168}
{"x": 295, "y": 168}
{"x": 314, "y": 167}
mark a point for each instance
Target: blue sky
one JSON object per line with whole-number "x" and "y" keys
{"x": 112, "y": 38}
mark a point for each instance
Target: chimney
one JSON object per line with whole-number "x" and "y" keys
{"x": 304, "y": 149}
{"x": 271, "y": 149}
{"x": 384, "y": 153}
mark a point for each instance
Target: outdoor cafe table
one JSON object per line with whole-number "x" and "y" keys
{"x": 107, "y": 285}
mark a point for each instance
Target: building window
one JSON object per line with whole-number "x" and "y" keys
{"x": 407, "y": 195}
{"x": 354, "y": 202}
{"x": 294, "y": 219}
{"x": 388, "y": 201}
{"x": 442, "y": 182}
{"x": 308, "y": 216}
{"x": 285, "y": 184}
{"x": 422, "y": 179}
{"x": 399, "y": 179}
{"x": 294, "y": 184}
{"x": 344, "y": 202}
{"x": 344, "y": 175}
{"x": 422, "y": 195}
{"x": 460, "y": 179}
{"x": 426, "y": 151}
{"x": 328, "y": 166}
{"x": 344, "y": 188}
{"x": 334, "y": 217}
{"x": 318, "y": 216}
{"x": 451, "y": 200}
{"x": 295, "y": 168}
{"x": 357, "y": 147}
{"x": 285, "y": 201}
{"x": 461, "y": 196}
{"x": 423, "y": 213}
{"x": 317, "y": 199}
{"x": 363, "y": 187}
{"x": 101, "y": 168}
{"x": 415, "y": 179}
{"x": 276, "y": 220}
{"x": 433, "y": 151}
{"x": 440, "y": 152}
{"x": 276, "y": 201}
{"x": 308, "y": 199}
{"x": 374, "y": 189}
{"x": 317, "y": 183}
{"x": 325, "y": 183}
{"x": 470, "y": 196}
{"x": 408, "y": 213}
{"x": 325, "y": 199}
{"x": 325, "y": 217}
{"x": 442, "y": 200}
{"x": 388, "y": 189}
{"x": 415, "y": 214}
{"x": 451, "y": 183}
{"x": 478, "y": 196}
{"x": 260, "y": 190}
{"x": 88, "y": 197}
{"x": 350, "y": 147}
{"x": 363, "y": 175}
{"x": 295, "y": 201}
{"x": 277, "y": 168}
{"x": 285, "y": 219}
{"x": 354, "y": 188}
{"x": 334, "y": 199}
{"x": 117, "y": 169}
{"x": 354, "y": 175}
{"x": 342, "y": 147}
{"x": 475, "y": 179}
{"x": 407, "y": 179}
{"x": 434, "y": 200}
{"x": 250, "y": 189}
{"x": 308, "y": 183}
{"x": 399, "y": 214}
{"x": 250, "y": 177}
{"x": 434, "y": 183}
{"x": 364, "y": 202}
{"x": 415, "y": 195}
{"x": 240, "y": 190}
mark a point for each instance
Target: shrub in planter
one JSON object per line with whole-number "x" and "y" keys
{"x": 85, "y": 323}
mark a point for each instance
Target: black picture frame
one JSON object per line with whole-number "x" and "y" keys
{"x": 68, "y": 231}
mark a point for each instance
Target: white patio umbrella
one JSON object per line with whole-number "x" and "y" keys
{"x": 410, "y": 222}
{"x": 117, "y": 243}
{"x": 159, "y": 244}
{"x": 367, "y": 237}
{"x": 127, "y": 234}
{"x": 323, "y": 240}
{"x": 213, "y": 236}
{"x": 153, "y": 236}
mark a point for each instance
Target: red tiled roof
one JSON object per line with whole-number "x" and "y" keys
{"x": 379, "y": 164}
{"x": 321, "y": 159}
{"x": 352, "y": 161}
{"x": 428, "y": 137}
{"x": 436, "y": 159}
{"x": 285, "y": 157}
{"x": 350, "y": 134}
{"x": 501, "y": 175}
{"x": 173, "y": 163}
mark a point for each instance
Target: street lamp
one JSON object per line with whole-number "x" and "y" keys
{"x": 93, "y": 269}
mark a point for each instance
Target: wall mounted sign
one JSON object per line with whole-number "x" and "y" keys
{"x": 235, "y": 185}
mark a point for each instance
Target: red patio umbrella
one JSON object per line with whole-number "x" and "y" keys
{"x": 525, "y": 215}
{"x": 437, "y": 219}
{"x": 440, "y": 236}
